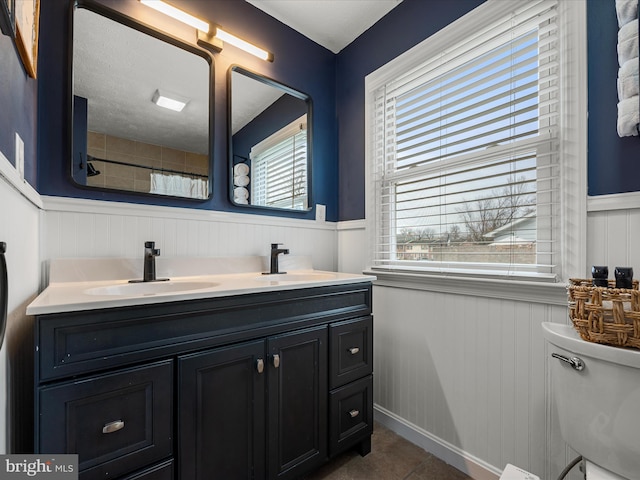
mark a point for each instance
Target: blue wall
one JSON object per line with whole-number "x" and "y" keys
{"x": 614, "y": 162}
{"x": 336, "y": 84}
{"x": 18, "y": 108}
{"x": 404, "y": 27}
{"x": 299, "y": 63}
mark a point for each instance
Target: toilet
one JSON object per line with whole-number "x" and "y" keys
{"x": 597, "y": 395}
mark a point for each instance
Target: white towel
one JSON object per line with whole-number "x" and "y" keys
{"x": 241, "y": 180}
{"x": 241, "y": 169}
{"x": 628, "y": 117}
{"x": 628, "y": 42}
{"x": 240, "y": 192}
{"x": 627, "y": 10}
{"x": 628, "y": 79}
{"x": 240, "y": 201}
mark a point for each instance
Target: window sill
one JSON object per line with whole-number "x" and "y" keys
{"x": 518, "y": 290}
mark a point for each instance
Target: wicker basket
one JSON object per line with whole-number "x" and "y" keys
{"x": 605, "y": 315}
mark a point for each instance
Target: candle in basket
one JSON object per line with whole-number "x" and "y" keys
{"x": 624, "y": 277}
{"x": 600, "y": 275}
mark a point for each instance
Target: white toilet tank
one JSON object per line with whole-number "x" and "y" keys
{"x": 598, "y": 405}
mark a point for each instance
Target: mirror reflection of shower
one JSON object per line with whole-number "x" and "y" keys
{"x": 137, "y": 125}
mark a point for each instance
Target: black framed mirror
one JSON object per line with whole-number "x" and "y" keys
{"x": 141, "y": 107}
{"x": 270, "y": 143}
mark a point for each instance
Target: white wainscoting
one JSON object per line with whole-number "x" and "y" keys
{"x": 89, "y": 228}
{"x": 613, "y": 239}
{"x": 19, "y": 229}
{"x": 464, "y": 376}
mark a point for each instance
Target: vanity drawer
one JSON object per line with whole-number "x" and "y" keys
{"x": 351, "y": 350}
{"x": 117, "y": 423}
{"x": 164, "y": 471}
{"x": 351, "y": 414}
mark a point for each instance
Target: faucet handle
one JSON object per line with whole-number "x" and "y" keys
{"x": 149, "y": 244}
{"x": 275, "y": 245}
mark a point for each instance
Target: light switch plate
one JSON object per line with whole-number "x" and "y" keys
{"x": 321, "y": 212}
{"x": 20, "y": 155}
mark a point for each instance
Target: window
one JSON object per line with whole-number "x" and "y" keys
{"x": 465, "y": 147}
{"x": 279, "y": 166}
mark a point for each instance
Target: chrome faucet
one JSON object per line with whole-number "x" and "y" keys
{"x": 275, "y": 251}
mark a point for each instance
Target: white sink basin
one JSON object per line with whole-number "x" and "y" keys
{"x": 149, "y": 288}
{"x": 297, "y": 277}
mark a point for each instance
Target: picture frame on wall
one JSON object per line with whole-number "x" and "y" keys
{"x": 27, "y": 15}
{"x": 7, "y": 16}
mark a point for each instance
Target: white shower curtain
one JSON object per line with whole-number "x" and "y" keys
{"x": 179, "y": 185}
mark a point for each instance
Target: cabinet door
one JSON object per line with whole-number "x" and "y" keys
{"x": 297, "y": 398}
{"x": 221, "y": 413}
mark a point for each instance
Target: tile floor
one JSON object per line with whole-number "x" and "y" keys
{"x": 391, "y": 458}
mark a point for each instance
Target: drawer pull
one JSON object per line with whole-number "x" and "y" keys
{"x": 354, "y": 350}
{"x": 276, "y": 360}
{"x": 260, "y": 365}
{"x": 354, "y": 413}
{"x": 113, "y": 426}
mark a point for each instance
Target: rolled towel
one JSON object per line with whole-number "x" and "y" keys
{"x": 241, "y": 169}
{"x": 628, "y": 79}
{"x": 628, "y": 42}
{"x": 628, "y": 117}
{"x": 241, "y": 201}
{"x": 240, "y": 192}
{"x": 241, "y": 180}
{"x": 627, "y": 10}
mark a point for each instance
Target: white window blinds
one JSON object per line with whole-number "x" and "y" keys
{"x": 279, "y": 165}
{"x": 465, "y": 152}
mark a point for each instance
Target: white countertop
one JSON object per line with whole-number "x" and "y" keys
{"x": 89, "y": 284}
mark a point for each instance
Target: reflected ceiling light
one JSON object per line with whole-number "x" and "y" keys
{"x": 216, "y": 42}
{"x": 171, "y": 102}
{"x": 176, "y": 13}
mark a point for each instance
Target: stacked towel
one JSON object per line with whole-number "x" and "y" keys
{"x": 240, "y": 181}
{"x": 628, "y": 79}
{"x": 628, "y": 88}
{"x": 628, "y": 42}
{"x": 627, "y": 11}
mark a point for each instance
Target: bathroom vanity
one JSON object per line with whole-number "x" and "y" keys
{"x": 267, "y": 381}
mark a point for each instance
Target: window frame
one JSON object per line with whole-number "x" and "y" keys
{"x": 573, "y": 123}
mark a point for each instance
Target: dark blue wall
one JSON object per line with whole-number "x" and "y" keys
{"x": 405, "y": 26}
{"x": 18, "y": 108}
{"x": 614, "y": 162}
{"x": 299, "y": 63}
{"x": 336, "y": 84}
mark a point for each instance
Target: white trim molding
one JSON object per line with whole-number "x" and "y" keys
{"x": 10, "y": 174}
{"x": 80, "y": 205}
{"x": 616, "y": 201}
{"x": 454, "y": 456}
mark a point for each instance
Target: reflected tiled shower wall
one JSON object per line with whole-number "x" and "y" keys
{"x": 123, "y": 177}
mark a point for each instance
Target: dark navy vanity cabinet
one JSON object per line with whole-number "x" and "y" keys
{"x": 264, "y": 385}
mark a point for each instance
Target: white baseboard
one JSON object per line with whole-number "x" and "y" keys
{"x": 454, "y": 456}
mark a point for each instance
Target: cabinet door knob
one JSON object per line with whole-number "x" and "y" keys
{"x": 354, "y": 350}
{"x": 260, "y": 365}
{"x": 354, "y": 413}
{"x": 276, "y": 360}
{"x": 113, "y": 426}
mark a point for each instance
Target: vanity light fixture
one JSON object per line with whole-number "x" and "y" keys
{"x": 166, "y": 101}
{"x": 216, "y": 42}
{"x": 176, "y": 13}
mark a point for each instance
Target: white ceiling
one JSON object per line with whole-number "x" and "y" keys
{"x": 334, "y": 24}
